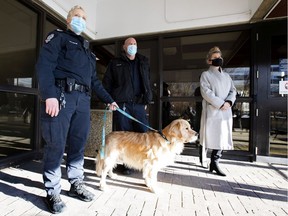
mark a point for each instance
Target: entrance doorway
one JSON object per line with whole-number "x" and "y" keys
{"x": 271, "y": 106}
{"x": 184, "y": 59}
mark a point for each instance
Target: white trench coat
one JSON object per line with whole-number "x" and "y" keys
{"x": 216, "y": 125}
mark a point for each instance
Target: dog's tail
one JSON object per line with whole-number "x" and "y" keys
{"x": 99, "y": 165}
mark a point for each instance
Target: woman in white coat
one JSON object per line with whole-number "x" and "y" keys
{"x": 219, "y": 94}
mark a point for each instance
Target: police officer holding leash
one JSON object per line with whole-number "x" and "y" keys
{"x": 66, "y": 71}
{"x": 127, "y": 79}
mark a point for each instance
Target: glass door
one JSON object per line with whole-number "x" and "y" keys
{"x": 271, "y": 76}
{"x": 278, "y": 91}
{"x": 17, "y": 79}
{"x": 184, "y": 61}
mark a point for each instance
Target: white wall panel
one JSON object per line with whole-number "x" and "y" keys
{"x": 131, "y": 17}
{"x": 117, "y": 18}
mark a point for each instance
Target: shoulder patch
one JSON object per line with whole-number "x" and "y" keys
{"x": 49, "y": 38}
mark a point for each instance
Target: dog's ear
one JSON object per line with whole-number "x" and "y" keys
{"x": 175, "y": 129}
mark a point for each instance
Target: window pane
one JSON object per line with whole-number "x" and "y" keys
{"x": 185, "y": 110}
{"x": 16, "y": 123}
{"x": 182, "y": 89}
{"x": 17, "y": 44}
{"x": 104, "y": 54}
{"x": 241, "y": 79}
{"x": 278, "y": 63}
{"x": 241, "y": 126}
{"x": 278, "y": 134}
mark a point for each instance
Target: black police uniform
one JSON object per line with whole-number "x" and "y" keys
{"x": 66, "y": 70}
{"x": 128, "y": 82}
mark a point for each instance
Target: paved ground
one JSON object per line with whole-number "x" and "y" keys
{"x": 187, "y": 189}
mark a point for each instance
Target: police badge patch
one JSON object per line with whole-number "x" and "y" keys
{"x": 49, "y": 38}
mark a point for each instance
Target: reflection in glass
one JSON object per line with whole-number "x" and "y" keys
{"x": 16, "y": 123}
{"x": 182, "y": 89}
{"x": 185, "y": 110}
{"x": 278, "y": 134}
{"x": 104, "y": 54}
{"x": 241, "y": 79}
{"x": 278, "y": 63}
{"x": 241, "y": 125}
{"x": 18, "y": 52}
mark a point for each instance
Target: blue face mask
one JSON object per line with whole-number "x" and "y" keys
{"x": 78, "y": 25}
{"x": 132, "y": 49}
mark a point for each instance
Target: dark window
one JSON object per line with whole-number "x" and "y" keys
{"x": 17, "y": 44}
{"x": 16, "y": 123}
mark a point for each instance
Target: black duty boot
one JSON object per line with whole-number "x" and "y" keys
{"x": 214, "y": 165}
{"x": 55, "y": 204}
{"x": 78, "y": 190}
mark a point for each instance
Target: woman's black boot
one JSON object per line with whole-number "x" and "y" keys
{"x": 214, "y": 165}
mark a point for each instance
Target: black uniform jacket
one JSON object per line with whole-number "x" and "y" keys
{"x": 118, "y": 81}
{"x": 65, "y": 54}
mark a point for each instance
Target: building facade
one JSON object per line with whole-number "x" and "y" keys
{"x": 255, "y": 56}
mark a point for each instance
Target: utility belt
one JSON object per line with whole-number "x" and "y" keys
{"x": 136, "y": 100}
{"x": 139, "y": 99}
{"x": 69, "y": 85}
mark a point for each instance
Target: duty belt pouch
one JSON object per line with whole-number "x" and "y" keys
{"x": 70, "y": 82}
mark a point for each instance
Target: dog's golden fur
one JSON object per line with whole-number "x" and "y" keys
{"x": 144, "y": 151}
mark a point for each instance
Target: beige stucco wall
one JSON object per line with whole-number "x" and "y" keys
{"x": 95, "y": 137}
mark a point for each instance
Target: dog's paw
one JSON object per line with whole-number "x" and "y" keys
{"x": 156, "y": 190}
{"x": 153, "y": 187}
{"x": 148, "y": 184}
{"x": 112, "y": 175}
{"x": 102, "y": 187}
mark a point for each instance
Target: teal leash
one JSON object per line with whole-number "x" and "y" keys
{"x": 102, "y": 149}
{"x": 134, "y": 119}
{"x": 131, "y": 117}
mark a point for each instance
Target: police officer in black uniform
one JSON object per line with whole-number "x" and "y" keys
{"x": 127, "y": 79}
{"x": 66, "y": 71}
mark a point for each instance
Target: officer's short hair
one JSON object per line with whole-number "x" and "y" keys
{"x": 72, "y": 9}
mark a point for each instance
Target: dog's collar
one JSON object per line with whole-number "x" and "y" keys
{"x": 164, "y": 137}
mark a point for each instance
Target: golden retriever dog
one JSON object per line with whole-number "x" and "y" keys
{"x": 148, "y": 152}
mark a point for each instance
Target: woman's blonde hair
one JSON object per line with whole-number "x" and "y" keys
{"x": 211, "y": 52}
{"x": 70, "y": 13}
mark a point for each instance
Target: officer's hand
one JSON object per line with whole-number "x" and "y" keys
{"x": 113, "y": 106}
{"x": 52, "y": 107}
